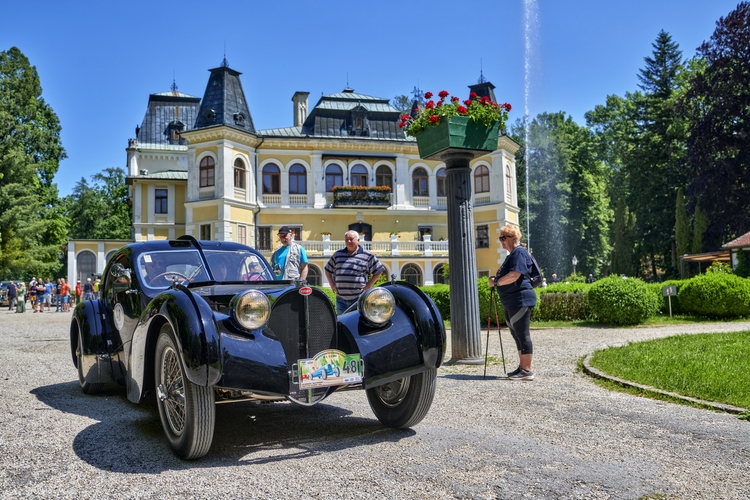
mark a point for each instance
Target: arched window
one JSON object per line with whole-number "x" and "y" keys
{"x": 437, "y": 275}
{"x": 359, "y": 176}
{"x": 419, "y": 183}
{"x": 441, "y": 182}
{"x": 314, "y": 276}
{"x": 207, "y": 170}
{"x": 384, "y": 176}
{"x": 508, "y": 184}
{"x": 334, "y": 177}
{"x": 239, "y": 174}
{"x": 412, "y": 274}
{"x": 86, "y": 266}
{"x": 297, "y": 179}
{"x": 482, "y": 179}
{"x": 271, "y": 179}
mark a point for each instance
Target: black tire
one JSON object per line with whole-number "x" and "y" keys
{"x": 86, "y": 387}
{"x": 405, "y": 402}
{"x": 187, "y": 411}
{"x": 337, "y": 372}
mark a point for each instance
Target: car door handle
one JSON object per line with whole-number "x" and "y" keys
{"x": 128, "y": 292}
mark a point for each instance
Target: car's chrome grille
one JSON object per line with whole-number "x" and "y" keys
{"x": 303, "y": 333}
{"x": 288, "y": 322}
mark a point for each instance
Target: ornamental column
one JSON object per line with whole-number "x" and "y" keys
{"x": 466, "y": 345}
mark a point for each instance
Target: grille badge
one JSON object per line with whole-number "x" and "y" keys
{"x": 305, "y": 290}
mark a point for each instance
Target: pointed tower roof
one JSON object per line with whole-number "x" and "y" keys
{"x": 484, "y": 88}
{"x": 224, "y": 101}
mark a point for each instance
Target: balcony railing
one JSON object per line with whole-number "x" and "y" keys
{"x": 380, "y": 248}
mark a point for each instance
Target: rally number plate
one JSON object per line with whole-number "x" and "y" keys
{"x": 328, "y": 368}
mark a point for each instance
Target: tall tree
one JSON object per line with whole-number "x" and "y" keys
{"x": 568, "y": 205}
{"x": 682, "y": 225}
{"x": 700, "y": 226}
{"x": 30, "y": 153}
{"x": 623, "y": 250}
{"x": 402, "y": 103}
{"x": 719, "y": 139}
{"x": 100, "y": 210}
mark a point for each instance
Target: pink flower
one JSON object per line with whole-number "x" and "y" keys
{"x": 434, "y": 119}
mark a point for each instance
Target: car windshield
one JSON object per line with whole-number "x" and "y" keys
{"x": 237, "y": 265}
{"x": 161, "y": 269}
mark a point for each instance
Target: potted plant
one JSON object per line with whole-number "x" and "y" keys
{"x": 326, "y": 236}
{"x": 471, "y": 125}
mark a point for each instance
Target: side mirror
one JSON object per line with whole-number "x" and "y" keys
{"x": 119, "y": 271}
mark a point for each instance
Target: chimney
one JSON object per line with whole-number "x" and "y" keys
{"x": 300, "y": 107}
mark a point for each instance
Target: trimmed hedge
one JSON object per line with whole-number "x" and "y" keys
{"x": 440, "y": 294}
{"x": 716, "y": 295}
{"x": 570, "y": 306}
{"x": 656, "y": 288}
{"x": 619, "y": 301}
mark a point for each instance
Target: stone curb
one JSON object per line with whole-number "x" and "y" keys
{"x": 590, "y": 370}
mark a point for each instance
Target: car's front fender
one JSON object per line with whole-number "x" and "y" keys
{"x": 192, "y": 321}
{"x": 88, "y": 328}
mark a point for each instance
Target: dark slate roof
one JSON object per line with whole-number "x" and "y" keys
{"x": 224, "y": 102}
{"x": 167, "y": 108}
{"x": 337, "y": 115}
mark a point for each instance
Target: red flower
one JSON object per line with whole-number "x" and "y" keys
{"x": 461, "y": 110}
{"x": 507, "y": 106}
{"x": 454, "y": 99}
{"x": 427, "y": 95}
{"x": 484, "y": 99}
{"x": 434, "y": 119}
{"x": 468, "y": 102}
{"x": 472, "y": 95}
{"x": 443, "y": 94}
{"x": 430, "y": 104}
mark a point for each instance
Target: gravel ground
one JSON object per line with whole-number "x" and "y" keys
{"x": 560, "y": 436}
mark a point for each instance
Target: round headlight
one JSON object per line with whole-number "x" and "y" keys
{"x": 377, "y": 305}
{"x": 251, "y": 309}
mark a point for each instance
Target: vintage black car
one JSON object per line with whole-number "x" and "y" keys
{"x": 199, "y": 322}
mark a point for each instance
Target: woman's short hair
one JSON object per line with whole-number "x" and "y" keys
{"x": 511, "y": 232}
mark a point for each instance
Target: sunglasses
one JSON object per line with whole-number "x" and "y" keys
{"x": 503, "y": 238}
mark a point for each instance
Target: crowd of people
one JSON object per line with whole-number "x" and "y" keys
{"x": 45, "y": 294}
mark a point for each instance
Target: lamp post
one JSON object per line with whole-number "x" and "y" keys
{"x": 575, "y": 261}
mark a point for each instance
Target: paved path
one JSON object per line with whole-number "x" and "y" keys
{"x": 560, "y": 436}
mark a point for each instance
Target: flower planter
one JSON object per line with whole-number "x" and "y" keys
{"x": 459, "y": 132}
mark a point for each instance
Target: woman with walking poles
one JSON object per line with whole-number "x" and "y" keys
{"x": 517, "y": 296}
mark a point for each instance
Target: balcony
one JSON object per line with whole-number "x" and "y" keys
{"x": 361, "y": 197}
{"x": 393, "y": 248}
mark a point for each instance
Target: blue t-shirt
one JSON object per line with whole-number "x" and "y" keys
{"x": 49, "y": 288}
{"x": 519, "y": 293}
{"x": 279, "y": 257}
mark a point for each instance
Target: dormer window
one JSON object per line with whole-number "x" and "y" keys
{"x": 239, "y": 119}
{"x": 174, "y": 129}
{"x": 210, "y": 115}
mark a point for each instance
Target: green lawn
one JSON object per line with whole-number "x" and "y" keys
{"x": 712, "y": 367}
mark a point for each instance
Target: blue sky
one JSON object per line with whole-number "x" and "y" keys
{"x": 99, "y": 61}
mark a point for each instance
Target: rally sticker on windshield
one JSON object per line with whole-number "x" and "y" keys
{"x": 328, "y": 368}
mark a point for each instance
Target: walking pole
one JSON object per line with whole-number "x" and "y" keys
{"x": 487, "y": 345}
{"x": 497, "y": 322}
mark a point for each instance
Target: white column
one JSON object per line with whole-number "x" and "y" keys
{"x": 170, "y": 204}
{"x": 401, "y": 182}
{"x": 318, "y": 180}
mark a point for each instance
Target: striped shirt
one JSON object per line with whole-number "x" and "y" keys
{"x": 351, "y": 272}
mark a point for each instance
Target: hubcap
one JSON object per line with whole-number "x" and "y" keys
{"x": 172, "y": 391}
{"x": 393, "y": 393}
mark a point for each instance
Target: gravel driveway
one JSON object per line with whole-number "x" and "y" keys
{"x": 559, "y": 436}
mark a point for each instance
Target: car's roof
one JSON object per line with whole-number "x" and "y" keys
{"x": 182, "y": 244}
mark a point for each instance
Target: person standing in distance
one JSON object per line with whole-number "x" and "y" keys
{"x": 517, "y": 296}
{"x": 290, "y": 257}
{"x": 351, "y": 271}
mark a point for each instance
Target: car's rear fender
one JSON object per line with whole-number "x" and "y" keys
{"x": 191, "y": 319}
{"x": 88, "y": 324}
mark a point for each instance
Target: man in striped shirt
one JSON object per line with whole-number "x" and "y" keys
{"x": 351, "y": 271}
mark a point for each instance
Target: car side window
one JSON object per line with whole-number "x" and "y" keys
{"x": 120, "y": 283}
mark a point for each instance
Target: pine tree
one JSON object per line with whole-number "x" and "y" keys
{"x": 700, "y": 225}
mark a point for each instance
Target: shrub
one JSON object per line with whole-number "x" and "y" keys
{"x": 569, "y": 306}
{"x": 716, "y": 295}
{"x": 718, "y": 266}
{"x": 619, "y": 301}
{"x": 441, "y": 295}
